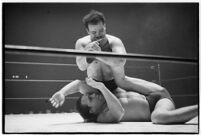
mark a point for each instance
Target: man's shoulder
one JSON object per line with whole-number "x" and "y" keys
{"x": 84, "y": 40}
{"x": 113, "y": 39}
{"x": 81, "y": 42}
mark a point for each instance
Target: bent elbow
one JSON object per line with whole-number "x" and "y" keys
{"x": 119, "y": 62}
{"x": 122, "y": 111}
{"x": 78, "y": 81}
{"x": 117, "y": 119}
{"x": 82, "y": 68}
{"x": 119, "y": 116}
{"x": 122, "y": 61}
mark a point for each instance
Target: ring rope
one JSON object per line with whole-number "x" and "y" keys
{"x": 180, "y": 78}
{"x": 39, "y": 63}
{"x": 32, "y": 80}
{"x": 64, "y": 64}
{"x": 37, "y": 98}
{"x": 36, "y": 54}
{"x": 60, "y": 51}
{"x": 185, "y": 95}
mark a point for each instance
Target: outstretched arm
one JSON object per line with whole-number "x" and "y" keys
{"x": 71, "y": 88}
{"x": 115, "y": 110}
{"x": 75, "y": 86}
{"x": 59, "y": 97}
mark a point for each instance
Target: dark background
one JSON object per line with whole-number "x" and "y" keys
{"x": 170, "y": 29}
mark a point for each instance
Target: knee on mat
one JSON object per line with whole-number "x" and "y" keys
{"x": 160, "y": 117}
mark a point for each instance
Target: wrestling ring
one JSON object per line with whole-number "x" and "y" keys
{"x": 27, "y": 83}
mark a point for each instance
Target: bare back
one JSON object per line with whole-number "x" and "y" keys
{"x": 135, "y": 105}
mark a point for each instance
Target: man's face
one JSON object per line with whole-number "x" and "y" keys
{"x": 94, "y": 101}
{"x": 96, "y": 31}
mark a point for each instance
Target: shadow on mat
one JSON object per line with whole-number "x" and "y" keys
{"x": 60, "y": 124}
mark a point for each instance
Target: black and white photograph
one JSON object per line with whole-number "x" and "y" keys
{"x": 101, "y": 67}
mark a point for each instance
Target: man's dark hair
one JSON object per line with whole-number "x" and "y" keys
{"x": 85, "y": 111}
{"x": 94, "y": 17}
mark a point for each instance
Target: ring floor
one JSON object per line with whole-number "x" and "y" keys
{"x": 73, "y": 123}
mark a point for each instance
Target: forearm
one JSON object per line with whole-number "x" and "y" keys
{"x": 71, "y": 88}
{"x": 113, "y": 103}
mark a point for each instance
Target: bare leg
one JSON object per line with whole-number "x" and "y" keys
{"x": 137, "y": 85}
{"x": 165, "y": 113}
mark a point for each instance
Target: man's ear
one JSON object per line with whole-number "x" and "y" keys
{"x": 86, "y": 120}
{"x": 104, "y": 26}
{"x": 87, "y": 30}
{"x": 91, "y": 111}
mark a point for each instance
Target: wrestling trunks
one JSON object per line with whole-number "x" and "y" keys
{"x": 154, "y": 97}
{"x": 111, "y": 85}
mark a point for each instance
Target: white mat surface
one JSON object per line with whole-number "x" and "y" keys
{"x": 72, "y": 122}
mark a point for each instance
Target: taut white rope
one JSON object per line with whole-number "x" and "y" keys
{"x": 73, "y": 52}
